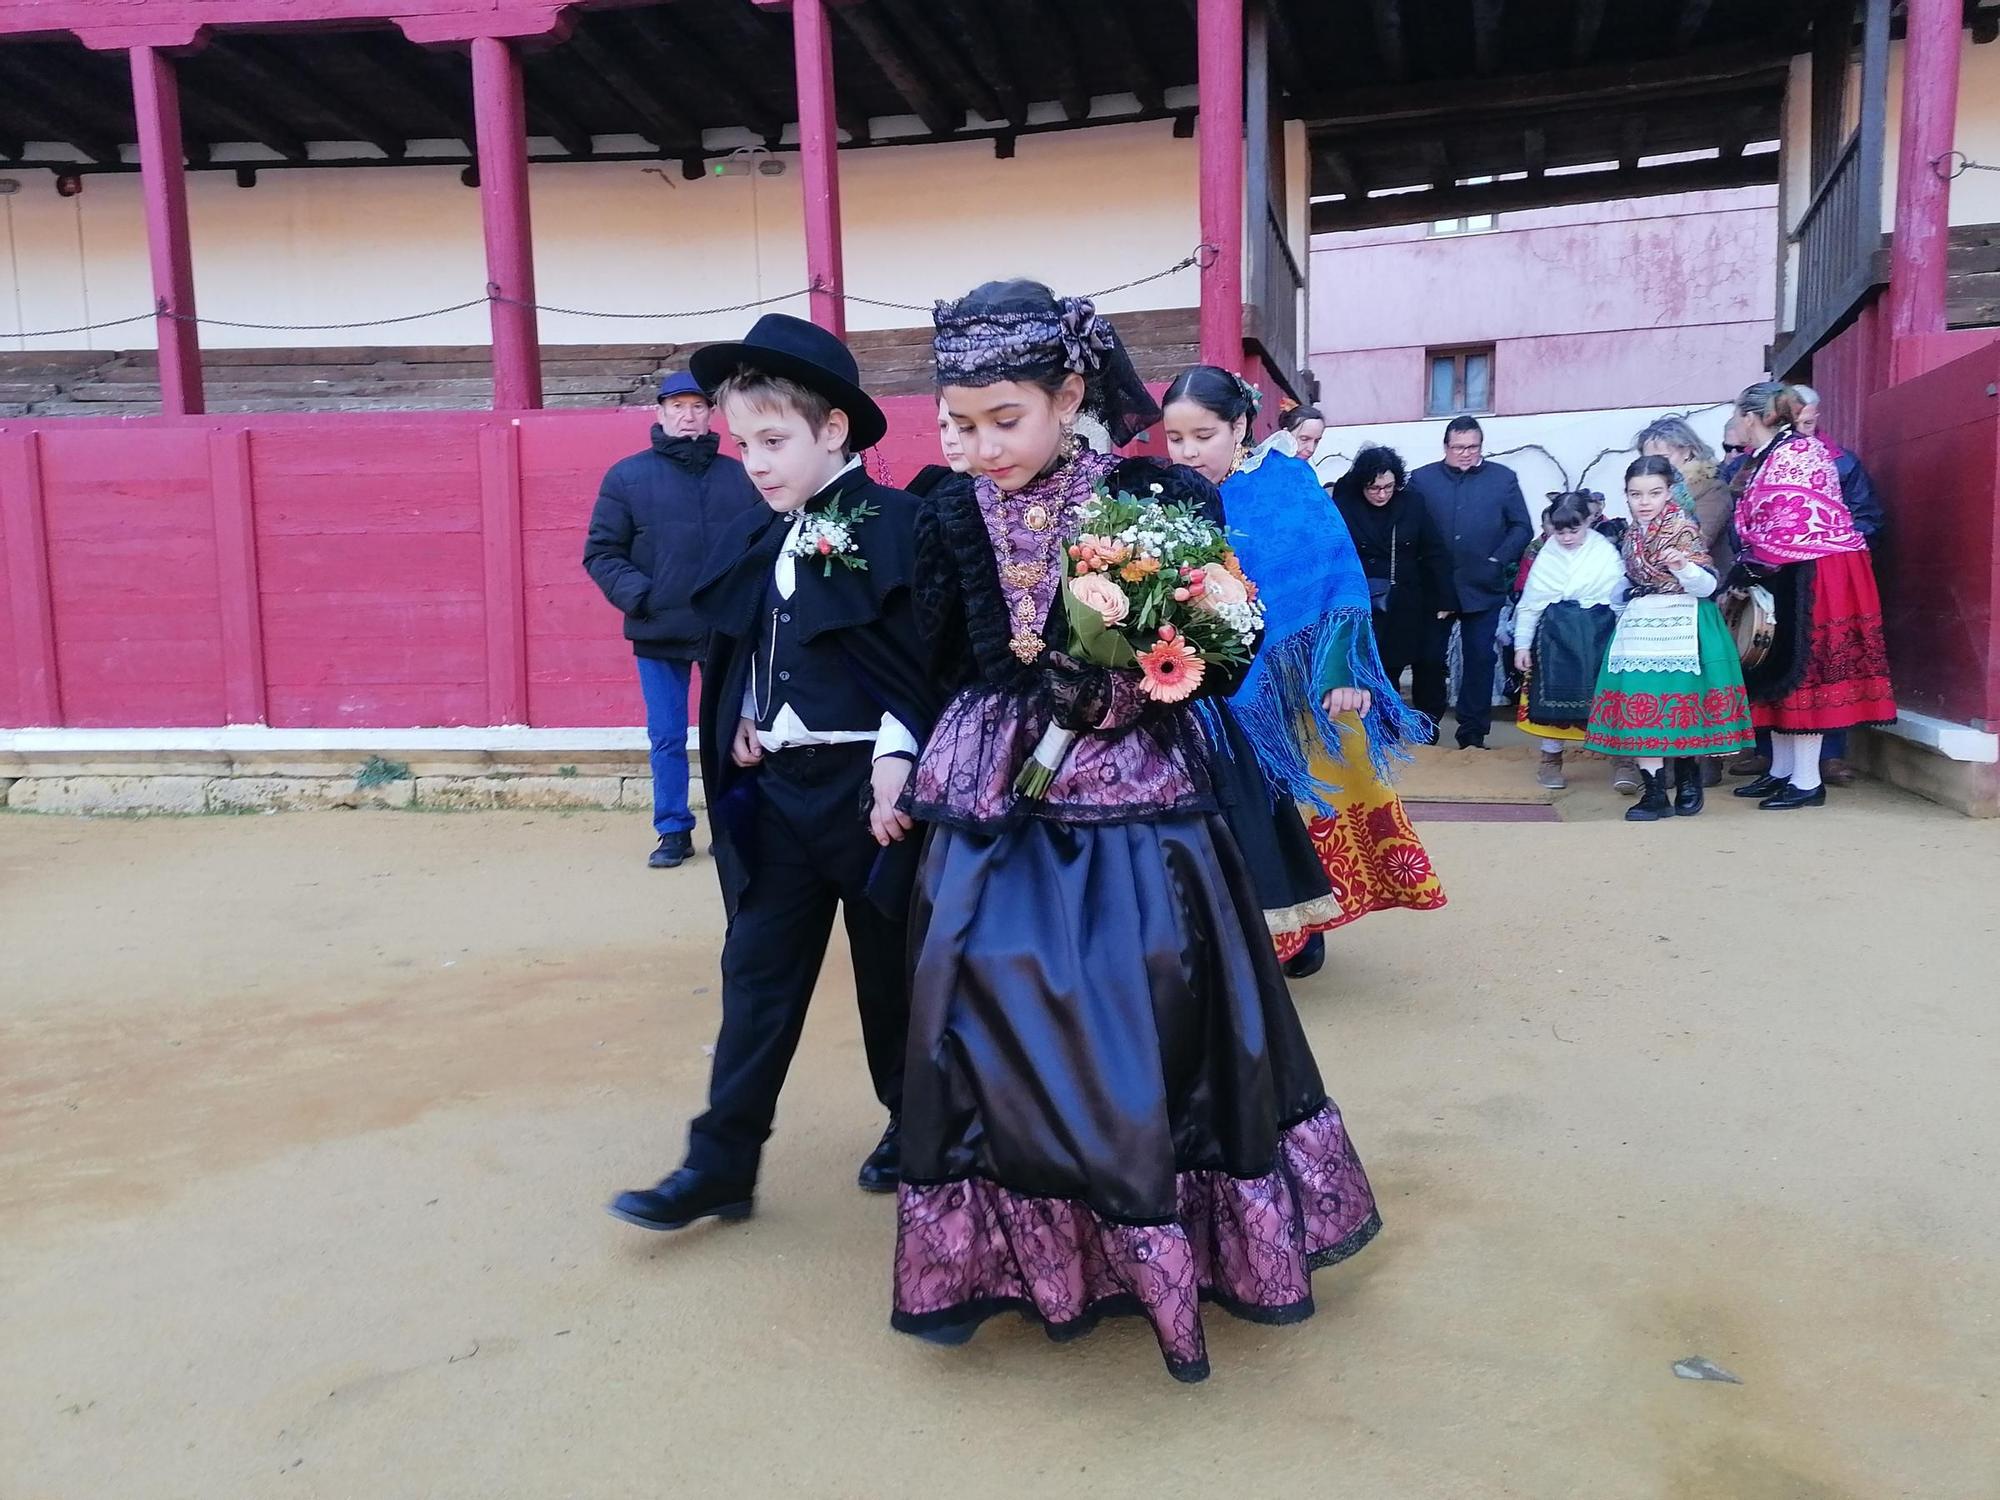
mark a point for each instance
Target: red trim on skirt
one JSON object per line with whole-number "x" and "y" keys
{"x": 1846, "y": 679}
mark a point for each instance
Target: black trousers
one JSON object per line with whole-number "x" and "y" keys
{"x": 813, "y": 854}
{"x": 1475, "y": 682}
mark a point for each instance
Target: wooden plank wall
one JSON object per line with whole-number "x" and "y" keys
{"x": 362, "y": 570}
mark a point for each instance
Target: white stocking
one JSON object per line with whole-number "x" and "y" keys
{"x": 1783, "y": 747}
{"x": 1651, "y": 764}
{"x": 1805, "y": 759}
{"x": 1552, "y": 747}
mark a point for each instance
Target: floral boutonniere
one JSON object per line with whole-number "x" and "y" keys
{"x": 828, "y": 535}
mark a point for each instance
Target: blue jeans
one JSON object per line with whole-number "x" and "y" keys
{"x": 665, "y": 684}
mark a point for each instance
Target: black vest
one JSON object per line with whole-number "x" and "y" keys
{"x": 815, "y": 679}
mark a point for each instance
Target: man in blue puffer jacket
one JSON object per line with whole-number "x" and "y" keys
{"x": 657, "y": 514}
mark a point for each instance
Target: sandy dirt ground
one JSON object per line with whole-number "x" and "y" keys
{"x": 306, "y": 1123}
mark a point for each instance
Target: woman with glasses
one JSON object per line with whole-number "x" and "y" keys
{"x": 1405, "y": 560}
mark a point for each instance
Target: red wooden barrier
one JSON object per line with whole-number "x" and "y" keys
{"x": 1934, "y": 452}
{"x": 366, "y": 570}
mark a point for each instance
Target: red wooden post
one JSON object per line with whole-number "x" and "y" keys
{"x": 1219, "y": 80}
{"x": 26, "y": 528}
{"x": 156, "y": 108}
{"x": 819, "y": 159}
{"x": 503, "y": 554}
{"x": 234, "y": 494}
{"x": 500, "y": 119}
{"x": 1918, "y": 268}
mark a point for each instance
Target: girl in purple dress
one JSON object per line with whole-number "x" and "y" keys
{"x": 1109, "y": 1105}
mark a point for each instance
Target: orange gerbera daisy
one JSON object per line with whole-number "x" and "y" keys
{"x": 1171, "y": 671}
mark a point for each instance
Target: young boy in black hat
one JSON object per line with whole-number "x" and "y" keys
{"x": 814, "y": 704}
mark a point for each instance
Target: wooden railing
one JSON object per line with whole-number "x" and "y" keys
{"x": 1840, "y": 231}
{"x": 1277, "y": 290}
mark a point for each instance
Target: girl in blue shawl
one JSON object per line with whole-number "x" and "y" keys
{"x": 1316, "y": 721}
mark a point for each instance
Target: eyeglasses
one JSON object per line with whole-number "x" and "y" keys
{"x": 1735, "y": 448}
{"x": 1383, "y": 486}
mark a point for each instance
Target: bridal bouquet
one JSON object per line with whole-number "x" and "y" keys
{"x": 1152, "y": 585}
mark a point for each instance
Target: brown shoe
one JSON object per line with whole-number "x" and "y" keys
{"x": 1749, "y": 763}
{"x": 1625, "y": 777}
{"x": 1549, "y": 774}
{"x": 1711, "y": 771}
{"x": 1838, "y": 773}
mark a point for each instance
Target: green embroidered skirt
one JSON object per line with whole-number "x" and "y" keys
{"x": 1675, "y": 713}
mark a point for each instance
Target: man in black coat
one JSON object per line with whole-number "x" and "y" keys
{"x": 814, "y": 705}
{"x": 658, "y": 514}
{"x": 1479, "y": 512}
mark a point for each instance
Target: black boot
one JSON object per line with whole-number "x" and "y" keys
{"x": 884, "y": 1167}
{"x": 1309, "y": 960}
{"x": 1652, "y": 804}
{"x": 678, "y": 1200}
{"x": 1687, "y": 787}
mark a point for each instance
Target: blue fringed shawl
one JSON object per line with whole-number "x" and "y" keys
{"x": 1318, "y": 629}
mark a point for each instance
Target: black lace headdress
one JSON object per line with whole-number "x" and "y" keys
{"x": 982, "y": 339}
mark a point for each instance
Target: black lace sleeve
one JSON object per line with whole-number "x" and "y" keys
{"x": 939, "y": 595}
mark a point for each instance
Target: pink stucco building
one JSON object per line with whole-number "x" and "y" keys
{"x": 1567, "y": 326}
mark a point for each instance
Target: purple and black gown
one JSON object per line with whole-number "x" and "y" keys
{"x": 1109, "y": 1105}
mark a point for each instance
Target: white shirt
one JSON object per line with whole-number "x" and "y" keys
{"x": 788, "y": 731}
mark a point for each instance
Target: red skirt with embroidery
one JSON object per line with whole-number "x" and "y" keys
{"x": 1845, "y": 681}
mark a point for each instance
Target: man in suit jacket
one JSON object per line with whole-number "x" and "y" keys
{"x": 1483, "y": 520}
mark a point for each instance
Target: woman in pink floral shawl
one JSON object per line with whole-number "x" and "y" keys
{"x": 1829, "y": 668}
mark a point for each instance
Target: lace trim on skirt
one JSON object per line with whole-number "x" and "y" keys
{"x": 969, "y": 1249}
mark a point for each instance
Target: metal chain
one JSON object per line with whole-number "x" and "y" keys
{"x": 1203, "y": 255}
{"x": 1960, "y": 165}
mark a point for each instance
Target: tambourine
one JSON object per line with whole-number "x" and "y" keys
{"x": 1752, "y": 618}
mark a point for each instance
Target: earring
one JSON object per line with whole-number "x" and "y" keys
{"x": 1072, "y": 445}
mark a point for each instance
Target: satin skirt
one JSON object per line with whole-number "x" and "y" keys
{"x": 1109, "y": 1105}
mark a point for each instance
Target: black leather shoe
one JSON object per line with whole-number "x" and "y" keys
{"x": 1309, "y": 960}
{"x": 680, "y": 1199}
{"x": 884, "y": 1167}
{"x": 1688, "y": 797}
{"x": 1652, "y": 804}
{"x": 1762, "y": 787}
{"x": 1791, "y": 797}
{"x": 674, "y": 848}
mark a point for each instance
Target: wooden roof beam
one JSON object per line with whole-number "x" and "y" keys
{"x": 1388, "y": 18}
{"x": 413, "y": 79}
{"x": 1548, "y": 192}
{"x": 1535, "y": 151}
{"x": 258, "y": 60}
{"x": 1687, "y": 25}
{"x": 1714, "y": 70}
{"x": 944, "y": 60}
{"x": 241, "y": 121}
{"x": 1058, "y": 55}
{"x": 1109, "y": 32}
{"x": 47, "y": 114}
{"x": 664, "y": 127}
{"x": 885, "y": 48}
{"x": 1338, "y": 170}
{"x": 1437, "y": 162}
{"x": 668, "y": 41}
{"x": 1583, "y": 38}
{"x": 1486, "y": 20}
{"x": 1285, "y": 55}
{"x": 991, "y": 57}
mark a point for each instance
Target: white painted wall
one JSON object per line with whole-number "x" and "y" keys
{"x": 1575, "y": 438}
{"x": 1079, "y": 209}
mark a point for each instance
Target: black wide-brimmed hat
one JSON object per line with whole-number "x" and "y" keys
{"x": 780, "y": 344}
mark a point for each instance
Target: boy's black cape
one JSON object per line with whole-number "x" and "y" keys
{"x": 868, "y": 613}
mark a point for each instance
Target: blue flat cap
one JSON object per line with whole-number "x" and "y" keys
{"x": 680, "y": 383}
